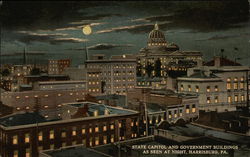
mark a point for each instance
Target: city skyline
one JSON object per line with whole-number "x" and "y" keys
{"x": 118, "y": 28}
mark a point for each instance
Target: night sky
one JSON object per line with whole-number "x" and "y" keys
{"x": 54, "y": 29}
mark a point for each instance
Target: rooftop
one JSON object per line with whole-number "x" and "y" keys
{"x": 101, "y": 108}
{"x": 22, "y": 119}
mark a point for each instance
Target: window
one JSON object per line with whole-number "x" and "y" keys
{"x": 112, "y": 126}
{"x": 96, "y": 129}
{"x": 242, "y": 98}
{"x": 208, "y": 100}
{"x": 187, "y": 109}
{"x": 40, "y": 136}
{"x": 236, "y": 98}
{"x": 27, "y": 152}
{"x": 208, "y": 89}
{"x": 90, "y": 141}
{"x": 15, "y": 154}
{"x": 132, "y": 123}
{"x": 193, "y": 108}
{"x": 83, "y": 131}
{"x": 27, "y": 138}
{"x": 51, "y": 134}
{"x": 216, "y": 88}
{"x": 169, "y": 114}
{"x": 74, "y": 131}
{"x": 90, "y": 130}
{"x": 228, "y": 83}
{"x": 180, "y": 112}
{"x": 229, "y": 99}
{"x": 175, "y": 113}
{"x": 104, "y": 139}
{"x": 15, "y": 139}
{"x": 235, "y": 85}
{"x": 197, "y": 89}
{"x": 216, "y": 99}
{"x": 63, "y": 134}
{"x": 120, "y": 124}
{"x": 112, "y": 139}
{"x": 182, "y": 88}
{"x": 189, "y": 88}
{"x": 96, "y": 141}
{"x": 242, "y": 83}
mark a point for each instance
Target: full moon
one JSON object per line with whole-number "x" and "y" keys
{"x": 86, "y": 30}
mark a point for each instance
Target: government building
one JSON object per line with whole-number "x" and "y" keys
{"x": 161, "y": 57}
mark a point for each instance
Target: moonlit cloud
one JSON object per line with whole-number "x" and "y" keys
{"x": 125, "y": 28}
{"x": 73, "y": 40}
{"x": 221, "y": 37}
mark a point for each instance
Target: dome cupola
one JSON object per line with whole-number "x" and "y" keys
{"x": 156, "y": 38}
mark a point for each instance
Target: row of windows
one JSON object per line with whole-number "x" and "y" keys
{"x": 235, "y": 85}
{"x": 229, "y": 99}
{"x": 46, "y": 95}
{"x": 197, "y": 88}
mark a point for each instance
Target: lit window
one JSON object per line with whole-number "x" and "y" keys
{"x": 235, "y": 85}
{"x": 112, "y": 126}
{"x": 241, "y": 85}
{"x": 96, "y": 141}
{"x": 193, "y": 108}
{"x": 242, "y": 98}
{"x": 216, "y": 88}
{"x": 175, "y": 114}
{"x": 96, "y": 129}
{"x": 27, "y": 152}
{"x": 90, "y": 141}
{"x": 104, "y": 128}
{"x": 15, "y": 154}
{"x": 208, "y": 88}
{"x": 26, "y": 96}
{"x": 40, "y": 136}
{"x": 112, "y": 138}
{"x": 169, "y": 114}
{"x": 180, "y": 113}
{"x": 96, "y": 113}
{"x": 15, "y": 139}
{"x": 182, "y": 88}
{"x": 189, "y": 88}
{"x": 236, "y": 98}
{"x": 197, "y": 89}
{"x": 187, "y": 109}
{"x": 27, "y": 107}
{"x": 229, "y": 99}
{"x": 63, "y": 134}
{"x": 104, "y": 139}
{"x": 51, "y": 134}
{"x": 27, "y": 138}
{"x": 90, "y": 130}
{"x": 83, "y": 131}
{"x": 59, "y": 94}
{"x": 46, "y": 106}
{"x": 216, "y": 99}
{"x": 74, "y": 132}
{"x": 132, "y": 123}
{"x": 18, "y": 97}
{"x": 208, "y": 100}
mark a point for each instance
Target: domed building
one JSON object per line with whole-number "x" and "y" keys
{"x": 160, "y": 57}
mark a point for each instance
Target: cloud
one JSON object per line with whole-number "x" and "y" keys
{"x": 222, "y": 37}
{"x": 132, "y": 28}
{"x": 104, "y": 46}
{"x": 52, "y": 38}
{"x": 154, "y": 18}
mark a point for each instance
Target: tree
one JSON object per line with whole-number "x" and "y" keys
{"x": 35, "y": 71}
{"x": 157, "y": 68}
{"x": 6, "y": 72}
{"x": 149, "y": 69}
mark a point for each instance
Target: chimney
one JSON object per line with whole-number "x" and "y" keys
{"x": 217, "y": 62}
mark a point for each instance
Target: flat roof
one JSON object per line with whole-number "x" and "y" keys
{"x": 62, "y": 82}
{"x": 101, "y": 108}
{"x": 22, "y": 119}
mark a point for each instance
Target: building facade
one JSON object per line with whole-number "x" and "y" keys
{"x": 58, "y": 66}
{"x": 111, "y": 76}
{"x": 220, "y": 88}
{"x": 25, "y": 138}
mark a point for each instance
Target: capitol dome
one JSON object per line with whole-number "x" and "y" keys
{"x": 156, "y": 38}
